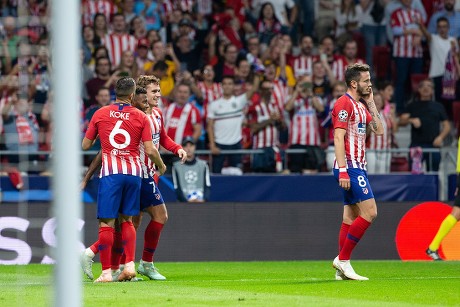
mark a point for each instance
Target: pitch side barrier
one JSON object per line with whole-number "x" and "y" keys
{"x": 215, "y": 231}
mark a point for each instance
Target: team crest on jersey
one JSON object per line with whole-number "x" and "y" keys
{"x": 365, "y": 191}
{"x": 343, "y": 115}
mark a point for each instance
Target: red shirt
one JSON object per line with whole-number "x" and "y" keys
{"x": 179, "y": 121}
{"x": 352, "y": 116}
{"x": 121, "y": 128}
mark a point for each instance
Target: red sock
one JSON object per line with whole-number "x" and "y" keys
{"x": 123, "y": 258}
{"x": 355, "y": 233}
{"x": 129, "y": 240}
{"x": 105, "y": 246}
{"x": 151, "y": 238}
{"x": 94, "y": 247}
{"x": 117, "y": 250}
{"x": 343, "y": 235}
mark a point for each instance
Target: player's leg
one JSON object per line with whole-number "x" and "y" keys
{"x": 129, "y": 208}
{"x": 108, "y": 205}
{"x": 152, "y": 202}
{"x": 446, "y": 226}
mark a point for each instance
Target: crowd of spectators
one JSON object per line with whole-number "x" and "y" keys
{"x": 289, "y": 55}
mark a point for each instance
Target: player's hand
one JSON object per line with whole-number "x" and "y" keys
{"x": 182, "y": 155}
{"x": 162, "y": 169}
{"x": 344, "y": 179}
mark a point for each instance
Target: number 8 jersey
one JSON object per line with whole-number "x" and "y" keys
{"x": 121, "y": 128}
{"x": 352, "y": 116}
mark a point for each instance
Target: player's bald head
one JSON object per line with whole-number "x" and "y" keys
{"x": 125, "y": 87}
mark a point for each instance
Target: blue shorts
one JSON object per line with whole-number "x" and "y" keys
{"x": 150, "y": 194}
{"x": 360, "y": 189}
{"x": 118, "y": 194}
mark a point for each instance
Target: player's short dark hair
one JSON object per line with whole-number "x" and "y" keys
{"x": 145, "y": 80}
{"x": 125, "y": 86}
{"x": 353, "y": 72}
{"x": 140, "y": 90}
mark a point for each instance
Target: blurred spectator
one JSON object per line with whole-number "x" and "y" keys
{"x": 85, "y": 74}
{"x": 268, "y": 25}
{"x": 225, "y": 118}
{"x": 137, "y": 28}
{"x": 394, "y": 5}
{"x": 349, "y": 57}
{"x": 307, "y": 16}
{"x": 189, "y": 55}
{"x": 127, "y": 8}
{"x": 451, "y": 15}
{"x": 90, "y": 8}
{"x": 103, "y": 99}
{"x": 227, "y": 64}
{"x": 142, "y": 55}
{"x": 8, "y": 8}
{"x": 191, "y": 179}
{"x": 280, "y": 9}
{"x": 373, "y": 23}
{"x": 9, "y": 35}
{"x": 150, "y": 10}
{"x": 378, "y": 155}
{"x": 324, "y": 24}
{"x": 303, "y": 64}
{"x": 118, "y": 40}
{"x": 326, "y": 50}
{"x": 103, "y": 79}
{"x": 264, "y": 118}
{"x": 426, "y": 118}
{"x": 100, "y": 25}
{"x": 162, "y": 52}
{"x": 322, "y": 79}
{"x": 407, "y": 48}
{"x": 347, "y": 19}
{"x": 20, "y": 130}
{"x": 339, "y": 89}
{"x": 442, "y": 47}
{"x": 242, "y": 75}
{"x": 182, "y": 119}
{"x": 42, "y": 79}
{"x": 304, "y": 130}
{"x": 89, "y": 43}
{"x": 127, "y": 66}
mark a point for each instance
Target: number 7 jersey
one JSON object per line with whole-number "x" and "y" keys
{"x": 121, "y": 129}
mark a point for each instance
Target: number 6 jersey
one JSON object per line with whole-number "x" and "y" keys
{"x": 121, "y": 128}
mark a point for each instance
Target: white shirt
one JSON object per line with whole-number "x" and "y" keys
{"x": 228, "y": 118}
{"x": 439, "y": 48}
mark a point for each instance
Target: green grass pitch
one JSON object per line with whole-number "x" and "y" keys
{"x": 288, "y": 283}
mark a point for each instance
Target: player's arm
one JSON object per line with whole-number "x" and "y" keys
{"x": 376, "y": 122}
{"x": 86, "y": 144}
{"x": 339, "y": 149}
{"x": 154, "y": 156}
{"x": 95, "y": 165}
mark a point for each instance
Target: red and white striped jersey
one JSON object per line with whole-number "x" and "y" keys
{"x": 183, "y": 5}
{"x": 93, "y": 7}
{"x": 156, "y": 124}
{"x": 352, "y": 116}
{"x": 258, "y": 113}
{"x": 118, "y": 43}
{"x": 210, "y": 93}
{"x": 381, "y": 141}
{"x": 280, "y": 92}
{"x": 179, "y": 121}
{"x": 304, "y": 128}
{"x": 121, "y": 129}
{"x": 340, "y": 65}
{"x": 403, "y": 45}
{"x": 303, "y": 65}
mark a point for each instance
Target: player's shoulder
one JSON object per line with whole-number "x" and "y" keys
{"x": 158, "y": 111}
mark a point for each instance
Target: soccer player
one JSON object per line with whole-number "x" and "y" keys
{"x": 449, "y": 222}
{"x": 353, "y": 115}
{"x": 121, "y": 129}
{"x": 150, "y": 198}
